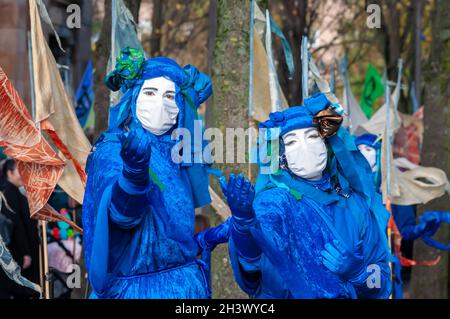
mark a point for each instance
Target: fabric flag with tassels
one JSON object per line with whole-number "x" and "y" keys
{"x": 39, "y": 165}
{"x": 262, "y": 88}
{"x": 355, "y": 115}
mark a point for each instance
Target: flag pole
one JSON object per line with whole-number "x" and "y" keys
{"x": 273, "y": 78}
{"x": 305, "y": 67}
{"x": 333, "y": 77}
{"x": 112, "y": 58}
{"x": 43, "y": 253}
{"x": 387, "y": 98}
{"x": 250, "y": 91}
{"x": 343, "y": 65}
{"x": 74, "y": 218}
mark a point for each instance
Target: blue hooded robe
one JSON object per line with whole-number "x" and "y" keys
{"x": 404, "y": 215}
{"x": 143, "y": 246}
{"x": 296, "y": 218}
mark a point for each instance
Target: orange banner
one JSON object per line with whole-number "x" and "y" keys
{"x": 38, "y": 164}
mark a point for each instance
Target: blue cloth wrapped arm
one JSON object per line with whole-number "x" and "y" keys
{"x": 128, "y": 203}
{"x": 129, "y": 194}
{"x": 264, "y": 238}
{"x": 376, "y": 281}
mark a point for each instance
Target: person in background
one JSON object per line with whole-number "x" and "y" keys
{"x": 24, "y": 244}
{"x": 404, "y": 215}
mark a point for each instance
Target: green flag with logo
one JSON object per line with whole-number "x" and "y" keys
{"x": 372, "y": 90}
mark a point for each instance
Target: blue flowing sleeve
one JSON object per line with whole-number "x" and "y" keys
{"x": 247, "y": 266}
{"x": 108, "y": 198}
{"x": 288, "y": 265}
{"x": 103, "y": 168}
{"x": 128, "y": 204}
{"x": 377, "y": 282}
{"x": 405, "y": 219}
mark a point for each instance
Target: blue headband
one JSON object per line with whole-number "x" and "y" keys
{"x": 297, "y": 117}
{"x": 369, "y": 140}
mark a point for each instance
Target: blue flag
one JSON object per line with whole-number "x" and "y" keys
{"x": 84, "y": 97}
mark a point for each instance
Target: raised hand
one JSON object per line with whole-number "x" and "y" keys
{"x": 338, "y": 258}
{"x": 430, "y": 222}
{"x": 136, "y": 150}
{"x": 210, "y": 238}
{"x": 240, "y": 194}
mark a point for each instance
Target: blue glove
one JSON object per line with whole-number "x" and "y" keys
{"x": 432, "y": 221}
{"x": 135, "y": 153}
{"x": 439, "y": 217}
{"x": 240, "y": 194}
{"x": 210, "y": 238}
{"x": 428, "y": 226}
{"x": 340, "y": 260}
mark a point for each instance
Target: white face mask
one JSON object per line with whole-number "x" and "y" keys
{"x": 370, "y": 154}
{"x": 156, "y": 108}
{"x": 306, "y": 153}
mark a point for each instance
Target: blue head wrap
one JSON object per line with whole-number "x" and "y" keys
{"x": 372, "y": 141}
{"x": 192, "y": 88}
{"x": 297, "y": 117}
{"x": 369, "y": 140}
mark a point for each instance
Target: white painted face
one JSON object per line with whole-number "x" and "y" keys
{"x": 155, "y": 105}
{"x": 306, "y": 153}
{"x": 370, "y": 154}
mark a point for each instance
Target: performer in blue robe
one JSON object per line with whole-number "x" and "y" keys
{"x": 316, "y": 228}
{"x": 138, "y": 212}
{"x": 404, "y": 215}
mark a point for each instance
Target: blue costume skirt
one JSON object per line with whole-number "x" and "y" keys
{"x": 187, "y": 281}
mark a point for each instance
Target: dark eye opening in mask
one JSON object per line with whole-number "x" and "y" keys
{"x": 290, "y": 142}
{"x": 150, "y": 91}
{"x": 170, "y": 95}
{"x": 312, "y": 134}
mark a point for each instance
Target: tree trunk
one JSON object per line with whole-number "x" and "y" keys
{"x": 294, "y": 28}
{"x": 230, "y": 71}
{"x": 102, "y": 50}
{"x": 432, "y": 282}
{"x": 393, "y": 39}
{"x": 157, "y": 23}
{"x": 230, "y": 74}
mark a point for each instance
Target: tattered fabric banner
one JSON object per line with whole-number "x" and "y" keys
{"x": 261, "y": 96}
{"x": 355, "y": 115}
{"x": 39, "y": 165}
{"x": 55, "y": 112}
{"x": 12, "y": 269}
{"x": 123, "y": 34}
{"x": 408, "y": 138}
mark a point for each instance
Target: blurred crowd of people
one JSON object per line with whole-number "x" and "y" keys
{"x": 20, "y": 233}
